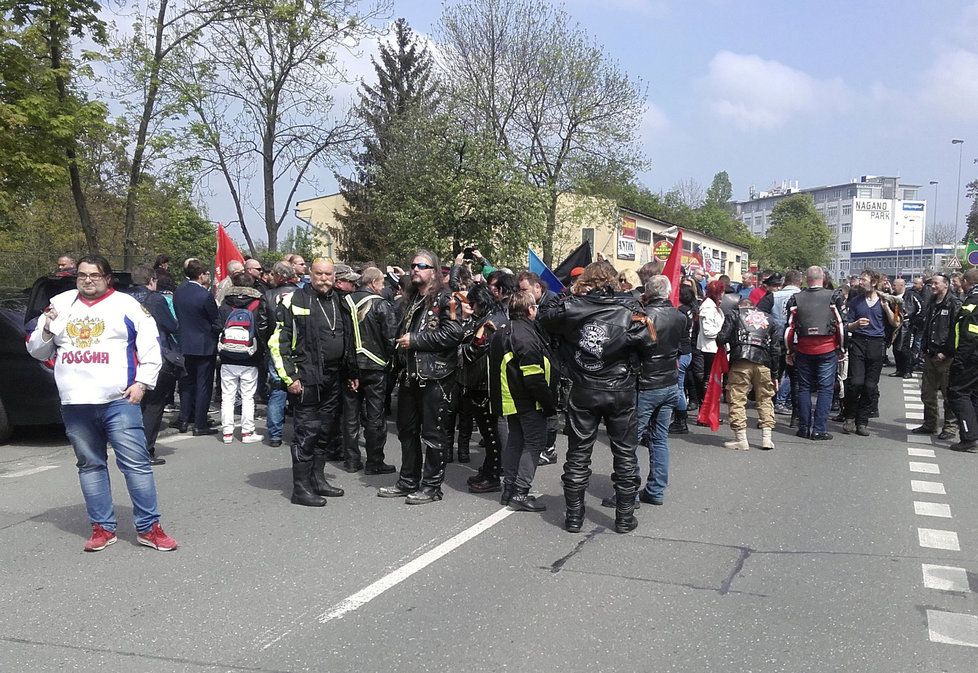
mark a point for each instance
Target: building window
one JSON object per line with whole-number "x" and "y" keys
{"x": 909, "y": 194}
{"x": 587, "y": 234}
{"x": 864, "y": 193}
{"x": 832, "y": 212}
{"x": 846, "y": 228}
{"x": 845, "y": 246}
{"x": 643, "y": 235}
{"x": 847, "y": 209}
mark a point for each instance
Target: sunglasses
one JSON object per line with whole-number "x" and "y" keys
{"x": 422, "y": 266}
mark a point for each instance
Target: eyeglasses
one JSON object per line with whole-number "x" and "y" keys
{"x": 94, "y": 277}
{"x": 422, "y": 266}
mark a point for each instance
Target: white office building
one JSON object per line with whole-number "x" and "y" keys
{"x": 872, "y": 219}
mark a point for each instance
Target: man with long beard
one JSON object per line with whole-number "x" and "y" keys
{"x": 427, "y": 344}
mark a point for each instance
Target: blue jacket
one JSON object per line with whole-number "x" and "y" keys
{"x": 198, "y": 318}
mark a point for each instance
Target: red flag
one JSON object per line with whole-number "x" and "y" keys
{"x": 226, "y": 251}
{"x": 710, "y": 409}
{"x": 674, "y": 267}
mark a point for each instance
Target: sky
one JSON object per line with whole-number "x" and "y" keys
{"x": 814, "y": 92}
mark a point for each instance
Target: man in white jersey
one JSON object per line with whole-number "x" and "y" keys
{"x": 106, "y": 357}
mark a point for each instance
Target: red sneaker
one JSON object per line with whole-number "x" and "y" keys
{"x": 100, "y": 539}
{"x": 157, "y": 539}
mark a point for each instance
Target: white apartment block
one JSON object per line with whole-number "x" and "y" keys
{"x": 877, "y": 219}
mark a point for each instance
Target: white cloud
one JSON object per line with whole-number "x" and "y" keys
{"x": 755, "y": 93}
{"x": 654, "y": 122}
{"x": 951, "y": 84}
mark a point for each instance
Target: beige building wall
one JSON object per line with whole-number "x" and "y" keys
{"x": 578, "y": 217}
{"x": 609, "y": 228}
{"x": 320, "y": 214}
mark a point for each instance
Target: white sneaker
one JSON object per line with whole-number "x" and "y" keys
{"x": 228, "y": 439}
{"x": 251, "y": 438}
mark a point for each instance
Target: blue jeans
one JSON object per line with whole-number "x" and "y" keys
{"x": 816, "y": 373}
{"x": 275, "y": 411}
{"x": 684, "y": 361}
{"x": 783, "y": 398}
{"x": 89, "y": 428}
{"x": 654, "y": 411}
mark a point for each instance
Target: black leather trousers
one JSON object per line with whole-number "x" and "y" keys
{"x": 316, "y": 410}
{"x": 585, "y": 411}
{"x": 366, "y": 402}
{"x": 422, "y": 417}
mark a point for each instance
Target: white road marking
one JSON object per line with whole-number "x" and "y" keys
{"x": 915, "y": 415}
{"x": 952, "y": 628}
{"x": 938, "y": 539}
{"x": 932, "y": 509}
{"x": 911, "y": 399}
{"x": 29, "y": 471}
{"x": 945, "y": 578}
{"x": 912, "y": 426}
{"x": 371, "y": 592}
{"x": 920, "y": 439}
{"x": 915, "y": 405}
{"x": 924, "y": 468}
{"x": 175, "y": 438}
{"x": 920, "y": 453}
{"x": 927, "y": 487}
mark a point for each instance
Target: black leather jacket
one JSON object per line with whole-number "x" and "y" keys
{"x": 373, "y": 330}
{"x": 752, "y": 336}
{"x": 966, "y": 331}
{"x": 939, "y": 325}
{"x": 602, "y": 338}
{"x": 473, "y": 354}
{"x": 435, "y": 326}
{"x": 659, "y": 370}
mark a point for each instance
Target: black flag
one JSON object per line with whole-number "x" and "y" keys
{"x": 581, "y": 256}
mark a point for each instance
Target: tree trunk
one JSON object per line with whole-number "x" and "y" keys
{"x": 268, "y": 182}
{"x": 136, "y": 168}
{"x": 74, "y": 174}
{"x": 551, "y": 231}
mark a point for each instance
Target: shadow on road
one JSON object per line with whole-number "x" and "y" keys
{"x": 39, "y": 436}
{"x": 73, "y": 519}
{"x": 273, "y": 480}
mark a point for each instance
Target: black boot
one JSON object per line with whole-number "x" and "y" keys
{"x": 679, "y": 423}
{"x": 302, "y": 487}
{"x": 574, "y": 518}
{"x": 463, "y": 455}
{"x": 507, "y": 493}
{"x": 522, "y": 501}
{"x": 450, "y": 455}
{"x": 319, "y": 483}
{"x": 625, "y": 521}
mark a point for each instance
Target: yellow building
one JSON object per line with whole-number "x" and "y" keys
{"x": 320, "y": 215}
{"x": 626, "y": 238}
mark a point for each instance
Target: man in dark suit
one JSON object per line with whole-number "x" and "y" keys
{"x": 199, "y": 326}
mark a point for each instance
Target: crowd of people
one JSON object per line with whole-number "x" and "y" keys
{"x": 467, "y": 346}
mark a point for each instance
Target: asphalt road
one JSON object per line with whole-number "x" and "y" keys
{"x": 806, "y": 558}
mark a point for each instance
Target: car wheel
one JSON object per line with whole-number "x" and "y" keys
{"x": 4, "y": 425}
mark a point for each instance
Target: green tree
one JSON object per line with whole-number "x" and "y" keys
{"x": 262, "y": 92}
{"x": 720, "y": 191}
{"x": 405, "y": 89}
{"x": 443, "y": 188}
{"x": 971, "y": 232}
{"x": 527, "y": 77}
{"x": 49, "y": 29}
{"x": 798, "y": 236}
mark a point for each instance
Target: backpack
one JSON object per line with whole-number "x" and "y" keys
{"x": 238, "y": 335}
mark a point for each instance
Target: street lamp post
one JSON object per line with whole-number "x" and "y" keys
{"x": 957, "y": 194}
{"x": 923, "y": 241}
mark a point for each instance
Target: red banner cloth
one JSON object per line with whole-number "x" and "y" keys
{"x": 673, "y": 267}
{"x": 226, "y": 251}
{"x": 710, "y": 409}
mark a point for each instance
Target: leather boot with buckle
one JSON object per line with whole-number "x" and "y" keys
{"x": 423, "y": 496}
{"x": 522, "y": 501}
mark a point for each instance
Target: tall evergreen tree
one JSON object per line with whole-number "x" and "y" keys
{"x": 406, "y": 89}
